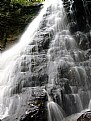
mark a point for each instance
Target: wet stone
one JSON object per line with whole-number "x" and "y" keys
{"x": 85, "y": 117}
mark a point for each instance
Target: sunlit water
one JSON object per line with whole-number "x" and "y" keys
{"x": 55, "y": 112}
{"x": 63, "y": 60}
{"x": 12, "y": 56}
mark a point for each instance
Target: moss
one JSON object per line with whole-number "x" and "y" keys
{"x": 13, "y": 21}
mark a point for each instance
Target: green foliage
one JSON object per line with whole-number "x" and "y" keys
{"x": 23, "y": 2}
{"x": 26, "y": 2}
{"x": 14, "y": 16}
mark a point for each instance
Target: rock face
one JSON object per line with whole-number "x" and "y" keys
{"x": 56, "y": 61}
{"x": 32, "y": 110}
{"x": 78, "y": 12}
{"x": 85, "y": 117}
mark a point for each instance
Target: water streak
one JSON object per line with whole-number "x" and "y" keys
{"x": 46, "y": 47}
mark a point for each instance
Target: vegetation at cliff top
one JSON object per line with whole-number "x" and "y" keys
{"x": 14, "y": 16}
{"x": 26, "y": 2}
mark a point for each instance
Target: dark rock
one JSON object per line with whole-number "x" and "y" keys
{"x": 30, "y": 9}
{"x": 63, "y": 70}
{"x": 73, "y": 27}
{"x": 79, "y": 12}
{"x": 32, "y": 107}
{"x": 67, "y": 88}
{"x": 89, "y": 38}
{"x": 37, "y": 113}
{"x": 84, "y": 95}
{"x": 62, "y": 81}
{"x": 85, "y": 117}
{"x": 82, "y": 40}
{"x": 30, "y": 114}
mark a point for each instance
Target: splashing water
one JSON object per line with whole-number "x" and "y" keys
{"x": 55, "y": 112}
{"x": 45, "y": 47}
{"x": 13, "y": 60}
{"x": 10, "y": 58}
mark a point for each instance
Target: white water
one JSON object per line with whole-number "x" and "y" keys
{"x": 9, "y": 58}
{"x": 59, "y": 56}
{"x": 55, "y": 112}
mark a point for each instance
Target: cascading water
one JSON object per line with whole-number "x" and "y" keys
{"x": 46, "y": 49}
{"x": 55, "y": 112}
{"x": 11, "y": 63}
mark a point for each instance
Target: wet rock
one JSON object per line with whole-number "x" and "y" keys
{"x": 67, "y": 88}
{"x": 71, "y": 103}
{"x": 85, "y": 117}
{"x": 78, "y": 11}
{"x": 84, "y": 95}
{"x": 30, "y": 106}
{"x": 62, "y": 81}
{"x": 45, "y": 39}
{"x": 37, "y": 112}
{"x": 73, "y": 27}
{"x": 82, "y": 40}
{"x": 63, "y": 69}
{"x": 30, "y": 114}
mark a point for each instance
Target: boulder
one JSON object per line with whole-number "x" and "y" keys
{"x": 85, "y": 117}
{"x": 82, "y": 40}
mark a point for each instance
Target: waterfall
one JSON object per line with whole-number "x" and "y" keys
{"x": 54, "y": 112}
{"x": 12, "y": 63}
{"x": 46, "y": 54}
